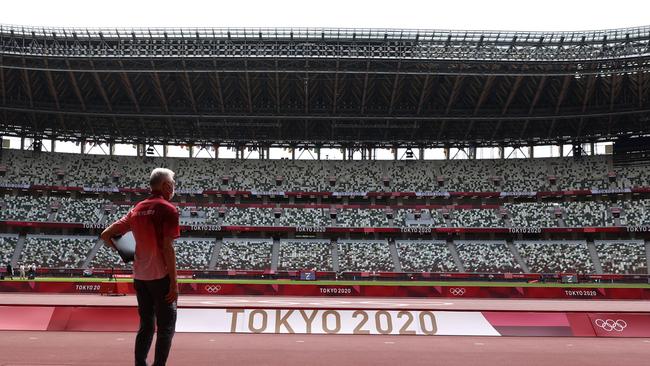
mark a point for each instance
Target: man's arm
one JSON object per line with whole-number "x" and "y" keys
{"x": 119, "y": 227}
{"x": 169, "y": 257}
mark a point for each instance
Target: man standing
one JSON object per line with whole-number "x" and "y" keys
{"x": 10, "y": 271}
{"x": 22, "y": 271}
{"x": 154, "y": 223}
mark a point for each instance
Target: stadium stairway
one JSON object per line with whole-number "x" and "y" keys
{"x": 647, "y": 254}
{"x": 92, "y": 253}
{"x": 215, "y": 254}
{"x": 394, "y": 256}
{"x": 19, "y": 248}
{"x": 454, "y": 253}
{"x": 275, "y": 254}
{"x": 518, "y": 258}
{"x": 594, "y": 257}
{"x": 335, "y": 257}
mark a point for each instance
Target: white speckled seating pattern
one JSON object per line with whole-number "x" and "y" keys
{"x": 56, "y": 251}
{"x": 364, "y": 256}
{"x": 245, "y": 254}
{"x": 298, "y": 254}
{"x": 554, "y": 256}
{"x": 425, "y": 256}
{"x": 622, "y": 256}
{"x": 489, "y": 256}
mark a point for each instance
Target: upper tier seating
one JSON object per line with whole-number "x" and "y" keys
{"x": 590, "y": 172}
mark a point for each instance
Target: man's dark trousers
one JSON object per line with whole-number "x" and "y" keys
{"x": 152, "y": 305}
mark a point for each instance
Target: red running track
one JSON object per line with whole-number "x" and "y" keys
{"x": 99, "y": 349}
{"x": 339, "y": 303}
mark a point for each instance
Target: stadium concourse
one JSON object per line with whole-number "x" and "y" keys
{"x": 350, "y": 260}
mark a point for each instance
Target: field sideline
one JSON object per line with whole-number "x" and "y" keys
{"x": 361, "y": 283}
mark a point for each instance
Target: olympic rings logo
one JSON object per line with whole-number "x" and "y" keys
{"x": 610, "y": 325}
{"x": 212, "y": 289}
{"x": 457, "y": 291}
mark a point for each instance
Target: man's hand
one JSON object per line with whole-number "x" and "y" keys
{"x": 172, "y": 295}
{"x": 108, "y": 240}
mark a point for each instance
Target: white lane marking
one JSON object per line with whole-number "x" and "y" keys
{"x": 213, "y": 340}
{"x": 479, "y": 344}
{"x": 389, "y": 342}
{"x": 569, "y": 345}
{"x": 120, "y": 339}
{"x": 646, "y": 341}
{"x": 33, "y": 338}
{"x": 300, "y": 341}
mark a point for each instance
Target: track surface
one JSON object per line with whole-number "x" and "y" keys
{"x": 73, "y": 348}
{"x": 339, "y": 302}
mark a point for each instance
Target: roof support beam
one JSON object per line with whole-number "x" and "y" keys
{"x": 217, "y": 80}
{"x": 335, "y": 91}
{"x": 188, "y": 88}
{"x": 75, "y": 87}
{"x": 538, "y": 94}
{"x": 277, "y": 89}
{"x": 558, "y": 103}
{"x": 129, "y": 88}
{"x": 50, "y": 86}
{"x": 614, "y": 90}
{"x": 484, "y": 93}
{"x": 306, "y": 87}
{"x": 365, "y": 89}
{"x": 641, "y": 88}
{"x": 513, "y": 92}
{"x": 563, "y": 92}
{"x": 100, "y": 86}
{"x": 2, "y": 83}
{"x": 394, "y": 89}
{"x": 160, "y": 92}
{"x": 425, "y": 86}
{"x": 248, "y": 88}
{"x": 455, "y": 90}
{"x": 28, "y": 84}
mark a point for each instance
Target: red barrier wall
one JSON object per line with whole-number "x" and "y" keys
{"x": 346, "y": 290}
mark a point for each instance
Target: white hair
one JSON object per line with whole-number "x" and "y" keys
{"x": 158, "y": 175}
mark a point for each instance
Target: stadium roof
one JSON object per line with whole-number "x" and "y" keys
{"x": 324, "y": 86}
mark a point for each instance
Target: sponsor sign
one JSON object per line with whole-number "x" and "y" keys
{"x": 582, "y": 293}
{"x": 310, "y": 229}
{"x": 432, "y": 194}
{"x": 205, "y": 227}
{"x": 518, "y": 194}
{"x": 189, "y": 191}
{"x": 525, "y": 230}
{"x": 611, "y": 191}
{"x": 349, "y": 194}
{"x": 93, "y": 225}
{"x": 14, "y": 186}
{"x": 101, "y": 189}
{"x": 638, "y": 229}
{"x": 415, "y": 229}
{"x": 328, "y": 321}
{"x": 87, "y": 288}
{"x": 267, "y": 193}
